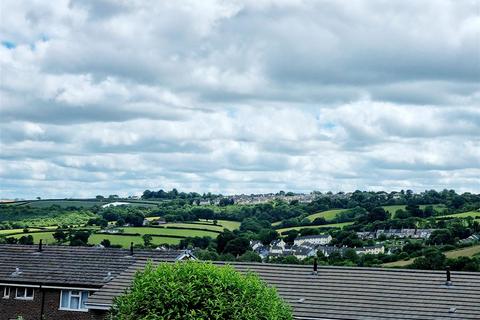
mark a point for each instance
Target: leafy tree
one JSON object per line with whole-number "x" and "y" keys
{"x": 106, "y": 243}
{"x": 433, "y": 259}
{"x": 442, "y": 236}
{"x": 193, "y": 290}
{"x": 223, "y": 238}
{"x": 250, "y": 256}
{"x": 60, "y": 236}
{"x": 237, "y": 246}
{"x": 79, "y": 238}
{"x": 267, "y": 236}
{"x": 147, "y": 239}
{"x": 25, "y": 239}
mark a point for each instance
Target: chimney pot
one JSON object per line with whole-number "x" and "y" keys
{"x": 40, "y": 246}
{"x": 131, "y": 248}
{"x": 315, "y": 266}
{"x": 449, "y": 278}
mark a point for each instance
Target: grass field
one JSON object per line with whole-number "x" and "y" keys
{"x": 325, "y": 226}
{"x": 10, "y": 231}
{"x": 464, "y": 252}
{"x": 124, "y": 241}
{"x": 475, "y": 214}
{"x": 392, "y": 209}
{"x": 328, "y": 215}
{"x": 221, "y": 224}
{"x": 170, "y": 232}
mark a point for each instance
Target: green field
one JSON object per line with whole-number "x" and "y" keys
{"x": 124, "y": 241}
{"x": 11, "y": 231}
{"x": 170, "y": 232}
{"x": 227, "y": 224}
{"x": 221, "y": 224}
{"x": 464, "y": 252}
{"x": 475, "y": 214}
{"x": 328, "y": 215}
{"x": 392, "y": 209}
{"x": 325, "y": 226}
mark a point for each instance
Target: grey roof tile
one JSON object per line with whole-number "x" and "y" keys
{"x": 62, "y": 265}
{"x": 351, "y": 293}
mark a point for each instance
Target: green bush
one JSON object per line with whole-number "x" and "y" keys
{"x": 197, "y": 290}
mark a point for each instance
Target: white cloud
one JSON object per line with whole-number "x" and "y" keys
{"x": 241, "y": 96}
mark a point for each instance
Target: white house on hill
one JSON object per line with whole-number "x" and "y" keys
{"x": 321, "y": 239}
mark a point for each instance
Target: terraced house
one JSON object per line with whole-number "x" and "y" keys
{"x": 56, "y": 282}
{"x": 81, "y": 283}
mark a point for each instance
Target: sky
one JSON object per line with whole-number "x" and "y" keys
{"x": 115, "y": 97}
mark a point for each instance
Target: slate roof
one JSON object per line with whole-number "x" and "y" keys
{"x": 352, "y": 293}
{"x": 73, "y": 266}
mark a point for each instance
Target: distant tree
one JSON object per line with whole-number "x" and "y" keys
{"x": 267, "y": 236}
{"x": 433, "y": 259}
{"x": 250, "y": 256}
{"x": 147, "y": 239}
{"x": 106, "y": 243}
{"x": 79, "y": 237}
{"x": 60, "y": 236}
{"x": 237, "y": 246}
{"x": 25, "y": 240}
{"x": 100, "y": 197}
{"x": 442, "y": 236}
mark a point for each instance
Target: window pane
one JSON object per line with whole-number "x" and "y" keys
{"x": 75, "y": 292}
{"x": 74, "y": 302}
{"x": 84, "y": 299}
{"x": 29, "y": 292}
{"x": 65, "y": 298}
{"x": 20, "y": 292}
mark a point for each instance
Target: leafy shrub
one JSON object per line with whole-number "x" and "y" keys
{"x": 195, "y": 290}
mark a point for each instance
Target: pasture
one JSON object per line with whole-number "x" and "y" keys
{"x": 474, "y": 214}
{"x": 463, "y": 252}
{"x": 328, "y": 215}
{"x": 325, "y": 226}
{"x": 393, "y": 208}
{"x": 202, "y": 224}
{"x": 170, "y": 232}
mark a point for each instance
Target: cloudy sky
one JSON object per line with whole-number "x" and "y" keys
{"x": 102, "y": 97}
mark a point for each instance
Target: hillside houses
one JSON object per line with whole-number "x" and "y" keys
{"x": 321, "y": 239}
{"x": 397, "y": 233}
{"x": 307, "y": 246}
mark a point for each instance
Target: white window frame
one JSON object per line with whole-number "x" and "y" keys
{"x": 6, "y": 292}
{"x": 79, "y": 296}
{"x": 25, "y": 296}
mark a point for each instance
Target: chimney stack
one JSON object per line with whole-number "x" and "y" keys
{"x": 131, "y": 248}
{"x": 315, "y": 266}
{"x": 449, "y": 279}
{"x": 40, "y": 246}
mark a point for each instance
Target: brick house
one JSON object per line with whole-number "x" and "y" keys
{"x": 55, "y": 282}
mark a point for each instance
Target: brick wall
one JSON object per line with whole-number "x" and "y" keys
{"x": 11, "y": 308}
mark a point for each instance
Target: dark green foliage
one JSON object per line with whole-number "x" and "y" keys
{"x": 237, "y": 246}
{"x": 250, "y": 256}
{"x": 193, "y": 290}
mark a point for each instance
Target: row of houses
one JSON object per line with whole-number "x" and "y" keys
{"x": 307, "y": 246}
{"x": 81, "y": 283}
{"x": 397, "y": 233}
